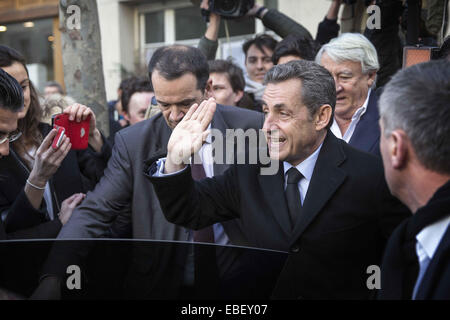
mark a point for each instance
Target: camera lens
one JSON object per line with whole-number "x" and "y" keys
{"x": 227, "y": 6}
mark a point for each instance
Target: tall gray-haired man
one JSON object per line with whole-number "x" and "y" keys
{"x": 353, "y": 62}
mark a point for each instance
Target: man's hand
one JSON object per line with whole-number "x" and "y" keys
{"x": 78, "y": 112}
{"x": 69, "y": 205}
{"x": 188, "y": 136}
{"x": 212, "y": 30}
{"x": 252, "y": 12}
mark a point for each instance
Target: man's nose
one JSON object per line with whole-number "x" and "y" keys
{"x": 338, "y": 85}
{"x": 175, "y": 114}
{"x": 259, "y": 64}
{"x": 269, "y": 123}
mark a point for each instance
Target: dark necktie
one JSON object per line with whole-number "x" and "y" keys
{"x": 293, "y": 194}
{"x": 198, "y": 173}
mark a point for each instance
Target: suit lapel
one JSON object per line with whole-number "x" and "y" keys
{"x": 273, "y": 190}
{"x": 161, "y": 132}
{"x": 367, "y": 132}
{"x": 326, "y": 179}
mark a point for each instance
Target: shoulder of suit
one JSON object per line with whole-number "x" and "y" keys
{"x": 367, "y": 160}
{"x": 233, "y": 110}
{"x": 244, "y": 117}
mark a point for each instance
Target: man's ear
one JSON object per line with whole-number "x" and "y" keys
{"x": 372, "y": 76}
{"x": 126, "y": 116}
{"x": 209, "y": 89}
{"x": 398, "y": 145}
{"x": 239, "y": 95}
{"x": 323, "y": 117}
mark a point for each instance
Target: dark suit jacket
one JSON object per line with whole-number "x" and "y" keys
{"x": 124, "y": 191}
{"x": 366, "y": 136}
{"x": 348, "y": 213}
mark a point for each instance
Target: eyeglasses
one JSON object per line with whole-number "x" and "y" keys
{"x": 12, "y": 136}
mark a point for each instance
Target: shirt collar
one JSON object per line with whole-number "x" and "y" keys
{"x": 360, "y": 111}
{"x": 209, "y": 137}
{"x": 430, "y": 236}
{"x": 306, "y": 167}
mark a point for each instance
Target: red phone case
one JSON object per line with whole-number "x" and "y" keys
{"x": 58, "y": 138}
{"x": 78, "y": 132}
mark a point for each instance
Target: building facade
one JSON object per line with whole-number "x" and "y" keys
{"x": 31, "y": 27}
{"x": 131, "y": 31}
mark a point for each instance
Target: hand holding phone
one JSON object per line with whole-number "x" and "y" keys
{"x": 77, "y": 132}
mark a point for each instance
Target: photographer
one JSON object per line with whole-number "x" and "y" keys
{"x": 271, "y": 18}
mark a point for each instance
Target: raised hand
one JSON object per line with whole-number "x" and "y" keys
{"x": 188, "y": 136}
{"x": 78, "y": 112}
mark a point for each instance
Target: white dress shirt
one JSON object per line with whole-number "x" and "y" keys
{"x": 306, "y": 168}
{"x": 427, "y": 243}
{"x": 355, "y": 120}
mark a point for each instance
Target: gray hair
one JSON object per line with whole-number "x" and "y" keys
{"x": 417, "y": 100}
{"x": 55, "y": 84}
{"x": 318, "y": 86}
{"x": 352, "y": 47}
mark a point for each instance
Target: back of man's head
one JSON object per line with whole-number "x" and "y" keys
{"x": 416, "y": 100}
{"x": 174, "y": 61}
{"x": 131, "y": 86}
{"x": 351, "y": 47}
{"x": 294, "y": 45}
{"x": 234, "y": 73}
{"x": 11, "y": 94}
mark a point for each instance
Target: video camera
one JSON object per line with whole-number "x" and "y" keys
{"x": 231, "y": 9}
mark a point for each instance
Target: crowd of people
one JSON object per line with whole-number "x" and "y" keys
{"x": 363, "y": 176}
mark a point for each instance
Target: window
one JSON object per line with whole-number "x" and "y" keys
{"x": 34, "y": 39}
{"x": 189, "y": 23}
{"x": 185, "y": 28}
{"x": 186, "y": 23}
{"x": 181, "y": 22}
{"x": 154, "y": 27}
